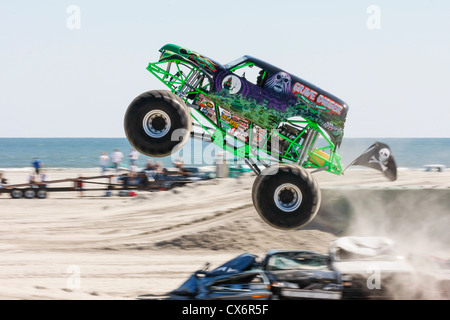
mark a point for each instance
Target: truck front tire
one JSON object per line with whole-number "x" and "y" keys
{"x": 157, "y": 123}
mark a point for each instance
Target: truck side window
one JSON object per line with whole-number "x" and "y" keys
{"x": 250, "y": 72}
{"x": 261, "y": 79}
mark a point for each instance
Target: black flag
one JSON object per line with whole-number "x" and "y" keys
{"x": 378, "y": 156}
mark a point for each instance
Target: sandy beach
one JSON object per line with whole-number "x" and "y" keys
{"x": 97, "y": 247}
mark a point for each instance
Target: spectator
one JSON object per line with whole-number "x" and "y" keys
{"x": 116, "y": 158}
{"x": 79, "y": 185}
{"x": 133, "y": 170}
{"x": 180, "y": 166}
{"x": 37, "y": 165}
{"x": 150, "y": 165}
{"x": 104, "y": 160}
{"x": 133, "y": 157}
{"x": 159, "y": 167}
{"x": 44, "y": 178}
{"x": 3, "y": 181}
{"x": 32, "y": 178}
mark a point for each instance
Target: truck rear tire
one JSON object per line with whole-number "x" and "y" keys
{"x": 286, "y": 196}
{"x": 157, "y": 123}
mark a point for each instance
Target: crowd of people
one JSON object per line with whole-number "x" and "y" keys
{"x": 114, "y": 162}
{"x": 111, "y": 162}
{"x": 116, "y": 158}
{"x": 106, "y": 162}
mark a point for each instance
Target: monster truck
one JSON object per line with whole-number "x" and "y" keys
{"x": 269, "y": 118}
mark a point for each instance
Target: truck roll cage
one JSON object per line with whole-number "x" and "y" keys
{"x": 293, "y": 141}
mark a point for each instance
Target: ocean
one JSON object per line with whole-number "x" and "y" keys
{"x": 411, "y": 153}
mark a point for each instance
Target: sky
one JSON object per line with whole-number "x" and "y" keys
{"x": 71, "y": 68}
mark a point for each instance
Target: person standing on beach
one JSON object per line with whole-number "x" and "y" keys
{"x": 78, "y": 184}
{"x": 37, "y": 165}
{"x": 44, "y": 179}
{"x": 103, "y": 159}
{"x": 32, "y": 178}
{"x": 133, "y": 157}
{"x": 116, "y": 158}
{"x": 179, "y": 164}
{"x": 150, "y": 165}
{"x": 3, "y": 181}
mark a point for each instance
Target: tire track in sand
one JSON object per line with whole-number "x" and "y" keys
{"x": 217, "y": 218}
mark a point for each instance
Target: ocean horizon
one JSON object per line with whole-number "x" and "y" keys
{"x": 61, "y": 153}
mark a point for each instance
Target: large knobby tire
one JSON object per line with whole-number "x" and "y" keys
{"x": 286, "y": 196}
{"x": 157, "y": 123}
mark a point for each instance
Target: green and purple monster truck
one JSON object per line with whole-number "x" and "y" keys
{"x": 268, "y": 117}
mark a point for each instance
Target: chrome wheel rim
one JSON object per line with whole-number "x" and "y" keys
{"x": 287, "y": 197}
{"x": 156, "y": 123}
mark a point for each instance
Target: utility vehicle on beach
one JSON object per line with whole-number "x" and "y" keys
{"x": 268, "y": 117}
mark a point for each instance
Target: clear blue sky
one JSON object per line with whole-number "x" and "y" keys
{"x": 58, "y": 82}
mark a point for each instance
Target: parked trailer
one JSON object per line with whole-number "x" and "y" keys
{"x": 41, "y": 189}
{"x": 139, "y": 182}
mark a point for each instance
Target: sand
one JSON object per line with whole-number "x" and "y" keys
{"x": 97, "y": 247}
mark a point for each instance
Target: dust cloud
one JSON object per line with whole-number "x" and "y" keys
{"x": 417, "y": 219}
